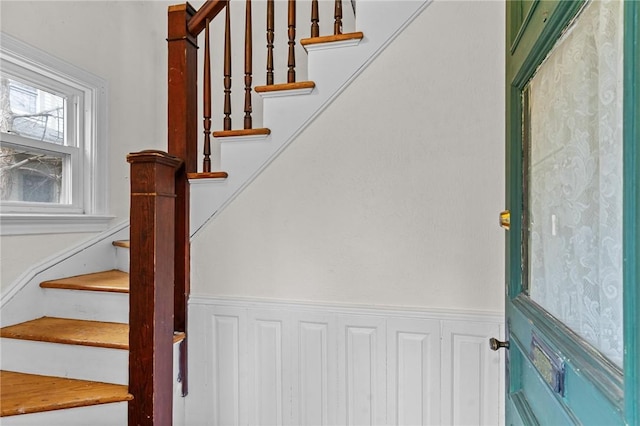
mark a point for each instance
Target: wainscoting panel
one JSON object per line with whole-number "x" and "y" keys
{"x": 413, "y": 349}
{"x": 275, "y": 363}
{"x": 226, "y": 365}
{"x": 469, "y": 368}
{"x": 269, "y": 344}
{"x": 313, "y": 370}
{"x": 361, "y": 370}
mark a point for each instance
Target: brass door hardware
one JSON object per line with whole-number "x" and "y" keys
{"x": 505, "y": 219}
{"x": 496, "y": 344}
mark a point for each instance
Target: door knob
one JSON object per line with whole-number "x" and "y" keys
{"x": 496, "y": 344}
{"x": 505, "y": 219}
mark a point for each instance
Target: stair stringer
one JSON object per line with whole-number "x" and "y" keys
{"x": 287, "y": 116}
{"x": 25, "y": 300}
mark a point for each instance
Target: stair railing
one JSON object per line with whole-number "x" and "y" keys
{"x": 185, "y": 26}
{"x": 160, "y": 232}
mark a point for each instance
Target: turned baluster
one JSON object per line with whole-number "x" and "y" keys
{"x": 291, "y": 74}
{"x": 248, "y": 65}
{"x": 270, "y": 38}
{"x": 315, "y": 27}
{"x": 337, "y": 26}
{"x": 227, "y": 68}
{"x": 206, "y": 162}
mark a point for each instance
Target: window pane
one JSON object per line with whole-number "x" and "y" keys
{"x": 30, "y": 176}
{"x": 32, "y": 112}
{"x": 575, "y": 179}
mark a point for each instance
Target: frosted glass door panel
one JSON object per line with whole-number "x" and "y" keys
{"x": 573, "y": 167}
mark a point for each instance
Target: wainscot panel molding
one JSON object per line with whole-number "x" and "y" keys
{"x": 263, "y": 362}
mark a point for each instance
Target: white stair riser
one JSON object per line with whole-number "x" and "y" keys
{"x": 122, "y": 259}
{"x": 87, "y": 305}
{"x": 72, "y": 361}
{"x": 114, "y": 414}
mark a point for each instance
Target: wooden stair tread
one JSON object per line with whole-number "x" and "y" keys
{"x": 179, "y": 336}
{"x": 332, "y": 38}
{"x": 121, "y": 243}
{"x": 241, "y": 132}
{"x": 22, "y": 393}
{"x": 110, "y": 281}
{"x": 71, "y": 331}
{"x": 209, "y": 175}
{"x": 285, "y": 86}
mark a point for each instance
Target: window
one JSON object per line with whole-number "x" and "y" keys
{"x": 53, "y": 150}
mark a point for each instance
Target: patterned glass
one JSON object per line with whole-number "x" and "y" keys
{"x": 574, "y": 133}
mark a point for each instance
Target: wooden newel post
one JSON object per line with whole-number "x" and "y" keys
{"x": 151, "y": 297}
{"x": 183, "y": 142}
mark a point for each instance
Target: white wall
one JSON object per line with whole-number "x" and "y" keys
{"x": 391, "y": 196}
{"x": 122, "y": 42}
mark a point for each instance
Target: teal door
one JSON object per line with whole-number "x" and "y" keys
{"x": 572, "y": 139}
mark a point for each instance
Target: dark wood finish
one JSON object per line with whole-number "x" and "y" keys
{"x": 332, "y": 38}
{"x": 291, "y": 62}
{"x": 315, "y": 19}
{"x": 245, "y": 132}
{"x": 206, "y": 101}
{"x": 284, "y": 86}
{"x": 182, "y": 86}
{"x": 182, "y": 265}
{"x": 248, "y": 65}
{"x": 151, "y": 298}
{"x": 227, "y": 69}
{"x": 270, "y": 38}
{"x": 182, "y": 143}
{"x": 22, "y": 393}
{"x": 209, "y": 10}
{"x": 337, "y": 25}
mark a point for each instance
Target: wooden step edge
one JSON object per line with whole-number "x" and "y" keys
{"x": 210, "y": 175}
{"x": 179, "y": 336}
{"x": 121, "y": 243}
{"x": 332, "y": 38}
{"x": 101, "y": 334}
{"x": 113, "y": 281}
{"x": 283, "y": 87}
{"x": 23, "y": 393}
{"x": 245, "y": 133}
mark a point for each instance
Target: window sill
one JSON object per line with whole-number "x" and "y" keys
{"x": 29, "y": 224}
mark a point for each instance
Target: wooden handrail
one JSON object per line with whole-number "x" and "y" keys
{"x": 209, "y": 10}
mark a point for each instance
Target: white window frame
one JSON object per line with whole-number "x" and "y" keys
{"x": 87, "y": 151}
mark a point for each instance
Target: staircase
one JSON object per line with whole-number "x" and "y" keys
{"x": 70, "y": 366}
{"x": 65, "y": 356}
